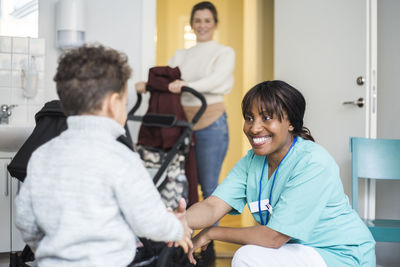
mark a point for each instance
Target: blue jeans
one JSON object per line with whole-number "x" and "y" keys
{"x": 211, "y": 146}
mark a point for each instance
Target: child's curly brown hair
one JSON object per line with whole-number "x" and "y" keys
{"x": 87, "y": 74}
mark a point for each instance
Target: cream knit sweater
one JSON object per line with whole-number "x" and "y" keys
{"x": 208, "y": 68}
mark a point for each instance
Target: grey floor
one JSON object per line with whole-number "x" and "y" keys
{"x": 4, "y": 259}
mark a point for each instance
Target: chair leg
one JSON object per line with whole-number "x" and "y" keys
{"x": 14, "y": 259}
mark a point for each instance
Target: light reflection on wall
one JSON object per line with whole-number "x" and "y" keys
{"x": 19, "y": 18}
{"x": 189, "y": 37}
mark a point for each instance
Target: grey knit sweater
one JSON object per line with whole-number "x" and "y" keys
{"x": 86, "y": 198}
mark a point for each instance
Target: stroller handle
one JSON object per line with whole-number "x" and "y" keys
{"x": 184, "y": 89}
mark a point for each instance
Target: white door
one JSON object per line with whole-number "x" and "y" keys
{"x": 321, "y": 49}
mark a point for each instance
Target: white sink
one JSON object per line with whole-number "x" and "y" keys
{"x": 13, "y": 136}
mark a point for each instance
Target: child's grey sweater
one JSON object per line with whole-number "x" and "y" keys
{"x": 87, "y": 196}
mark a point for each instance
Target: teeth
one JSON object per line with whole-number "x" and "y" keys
{"x": 258, "y": 140}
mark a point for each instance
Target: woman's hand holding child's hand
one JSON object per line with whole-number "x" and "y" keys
{"x": 201, "y": 240}
{"x": 186, "y": 241}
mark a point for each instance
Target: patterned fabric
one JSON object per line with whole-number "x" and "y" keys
{"x": 173, "y": 183}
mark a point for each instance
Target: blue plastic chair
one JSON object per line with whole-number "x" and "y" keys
{"x": 376, "y": 159}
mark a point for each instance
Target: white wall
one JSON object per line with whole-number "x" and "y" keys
{"x": 126, "y": 25}
{"x": 388, "y": 68}
{"x": 388, "y": 192}
{"x": 322, "y": 57}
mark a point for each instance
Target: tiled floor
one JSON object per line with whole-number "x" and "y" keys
{"x": 4, "y": 260}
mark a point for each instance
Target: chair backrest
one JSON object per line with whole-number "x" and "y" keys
{"x": 374, "y": 159}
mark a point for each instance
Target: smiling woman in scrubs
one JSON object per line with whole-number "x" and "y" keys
{"x": 293, "y": 189}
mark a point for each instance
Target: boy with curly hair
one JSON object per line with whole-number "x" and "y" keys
{"x": 87, "y": 196}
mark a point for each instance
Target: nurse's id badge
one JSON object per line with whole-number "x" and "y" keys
{"x": 264, "y": 205}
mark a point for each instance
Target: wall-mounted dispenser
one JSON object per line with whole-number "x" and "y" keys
{"x": 70, "y": 23}
{"x": 29, "y": 78}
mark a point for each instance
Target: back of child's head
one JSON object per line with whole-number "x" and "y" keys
{"x": 86, "y": 75}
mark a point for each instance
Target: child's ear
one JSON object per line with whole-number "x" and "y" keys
{"x": 291, "y": 128}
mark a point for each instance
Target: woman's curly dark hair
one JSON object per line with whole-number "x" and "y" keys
{"x": 87, "y": 74}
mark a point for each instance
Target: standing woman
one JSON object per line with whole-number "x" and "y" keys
{"x": 208, "y": 68}
{"x": 293, "y": 189}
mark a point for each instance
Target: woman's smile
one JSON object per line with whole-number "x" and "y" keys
{"x": 267, "y": 134}
{"x": 260, "y": 140}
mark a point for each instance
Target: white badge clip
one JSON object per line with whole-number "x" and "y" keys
{"x": 264, "y": 205}
{"x": 269, "y": 207}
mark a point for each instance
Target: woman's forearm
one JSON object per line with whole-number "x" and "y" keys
{"x": 206, "y": 213}
{"x": 255, "y": 235}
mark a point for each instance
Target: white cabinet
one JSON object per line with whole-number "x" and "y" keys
{"x": 5, "y": 206}
{"x": 17, "y": 244}
{"x": 10, "y": 237}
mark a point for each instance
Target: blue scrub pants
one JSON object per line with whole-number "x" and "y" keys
{"x": 211, "y": 146}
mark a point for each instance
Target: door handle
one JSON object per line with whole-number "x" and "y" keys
{"x": 360, "y": 80}
{"x": 359, "y": 102}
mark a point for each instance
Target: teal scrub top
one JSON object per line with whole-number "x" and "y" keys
{"x": 308, "y": 203}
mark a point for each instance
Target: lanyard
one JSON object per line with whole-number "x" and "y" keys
{"x": 272, "y": 186}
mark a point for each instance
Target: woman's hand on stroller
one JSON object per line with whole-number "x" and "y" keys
{"x": 140, "y": 87}
{"x": 176, "y": 86}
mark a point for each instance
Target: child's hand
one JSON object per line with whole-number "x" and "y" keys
{"x": 185, "y": 242}
{"x": 180, "y": 211}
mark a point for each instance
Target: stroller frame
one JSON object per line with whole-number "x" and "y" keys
{"x": 162, "y": 120}
{"x": 166, "y": 255}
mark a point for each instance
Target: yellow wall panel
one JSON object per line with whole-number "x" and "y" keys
{"x": 171, "y": 15}
{"x": 246, "y": 26}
